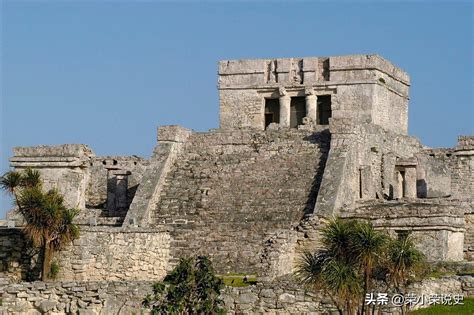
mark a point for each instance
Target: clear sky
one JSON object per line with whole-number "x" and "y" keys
{"x": 107, "y": 73}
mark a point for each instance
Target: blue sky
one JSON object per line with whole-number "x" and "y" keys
{"x": 108, "y": 73}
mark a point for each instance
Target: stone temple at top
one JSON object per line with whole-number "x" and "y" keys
{"x": 367, "y": 89}
{"x": 300, "y": 140}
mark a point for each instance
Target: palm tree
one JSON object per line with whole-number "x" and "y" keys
{"x": 332, "y": 269}
{"x": 405, "y": 263}
{"x": 49, "y": 224}
{"x": 368, "y": 246}
{"x": 345, "y": 266}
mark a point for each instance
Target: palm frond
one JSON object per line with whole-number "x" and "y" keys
{"x": 10, "y": 180}
{"x": 31, "y": 178}
{"x": 337, "y": 236}
{"x": 342, "y": 279}
{"x": 367, "y": 244}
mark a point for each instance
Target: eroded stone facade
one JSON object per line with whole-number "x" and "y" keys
{"x": 300, "y": 140}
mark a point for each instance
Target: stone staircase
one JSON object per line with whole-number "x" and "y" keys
{"x": 227, "y": 190}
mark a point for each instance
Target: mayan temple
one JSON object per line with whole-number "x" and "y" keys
{"x": 301, "y": 140}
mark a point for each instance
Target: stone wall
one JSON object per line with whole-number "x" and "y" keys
{"x": 116, "y": 254}
{"x": 227, "y": 191}
{"x": 435, "y": 172}
{"x": 287, "y": 297}
{"x": 124, "y": 297}
{"x": 81, "y": 297}
{"x": 17, "y": 260}
{"x": 100, "y": 253}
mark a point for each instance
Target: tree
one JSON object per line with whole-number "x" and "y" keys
{"x": 368, "y": 246}
{"x": 406, "y": 264}
{"x": 49, "y": 223}
{"x": 344, "y": 267}
{"x": 190, "y": 288}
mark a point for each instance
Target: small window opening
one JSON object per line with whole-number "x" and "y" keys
{"x": 324, "y": 109}
{"x": 360, "y": 184}
{"x": 272, "y": 111}
{"x": 298, "y": 111}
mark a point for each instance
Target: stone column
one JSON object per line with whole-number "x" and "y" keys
{"x": 285, "y": 108}
{"x": 311, "y": 105}
{"x": 410, "y": 182}
{"x": 399, "y": 182}
{"x": 121, "y": 191}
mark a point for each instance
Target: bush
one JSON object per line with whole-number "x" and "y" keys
{"x": 190, "y": 288}
{"x": 54, "y": 271}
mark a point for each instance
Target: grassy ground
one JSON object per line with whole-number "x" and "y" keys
{"x": 236, "y": 280}
{"x": 466, "y": 309}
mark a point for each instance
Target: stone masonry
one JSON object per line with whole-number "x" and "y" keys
{"x": 300, "y": 140}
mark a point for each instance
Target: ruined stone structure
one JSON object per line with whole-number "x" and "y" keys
{"x": 300, "y": 140}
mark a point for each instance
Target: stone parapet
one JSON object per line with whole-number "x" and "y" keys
{"x": 368, "y": 62}
{"x": 64, "y": 150}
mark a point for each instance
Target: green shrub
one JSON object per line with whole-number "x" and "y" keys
{"x": 54, "y": 270}
{"x": 190, "y": 288}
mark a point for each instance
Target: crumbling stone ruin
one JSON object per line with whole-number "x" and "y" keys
{"x": 300, "y": 140}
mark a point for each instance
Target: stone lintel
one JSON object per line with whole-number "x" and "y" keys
{"x": 118, "y": 172}
{"x": 407, "y": 162}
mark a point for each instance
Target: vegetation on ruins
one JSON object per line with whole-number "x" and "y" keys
{"x": 238, "y": 280}
{"x": 466, "y": 308}
{"x": 354, "y": 259}
{"x": 48, "y": 222}
{"x": 190, "y": 288}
